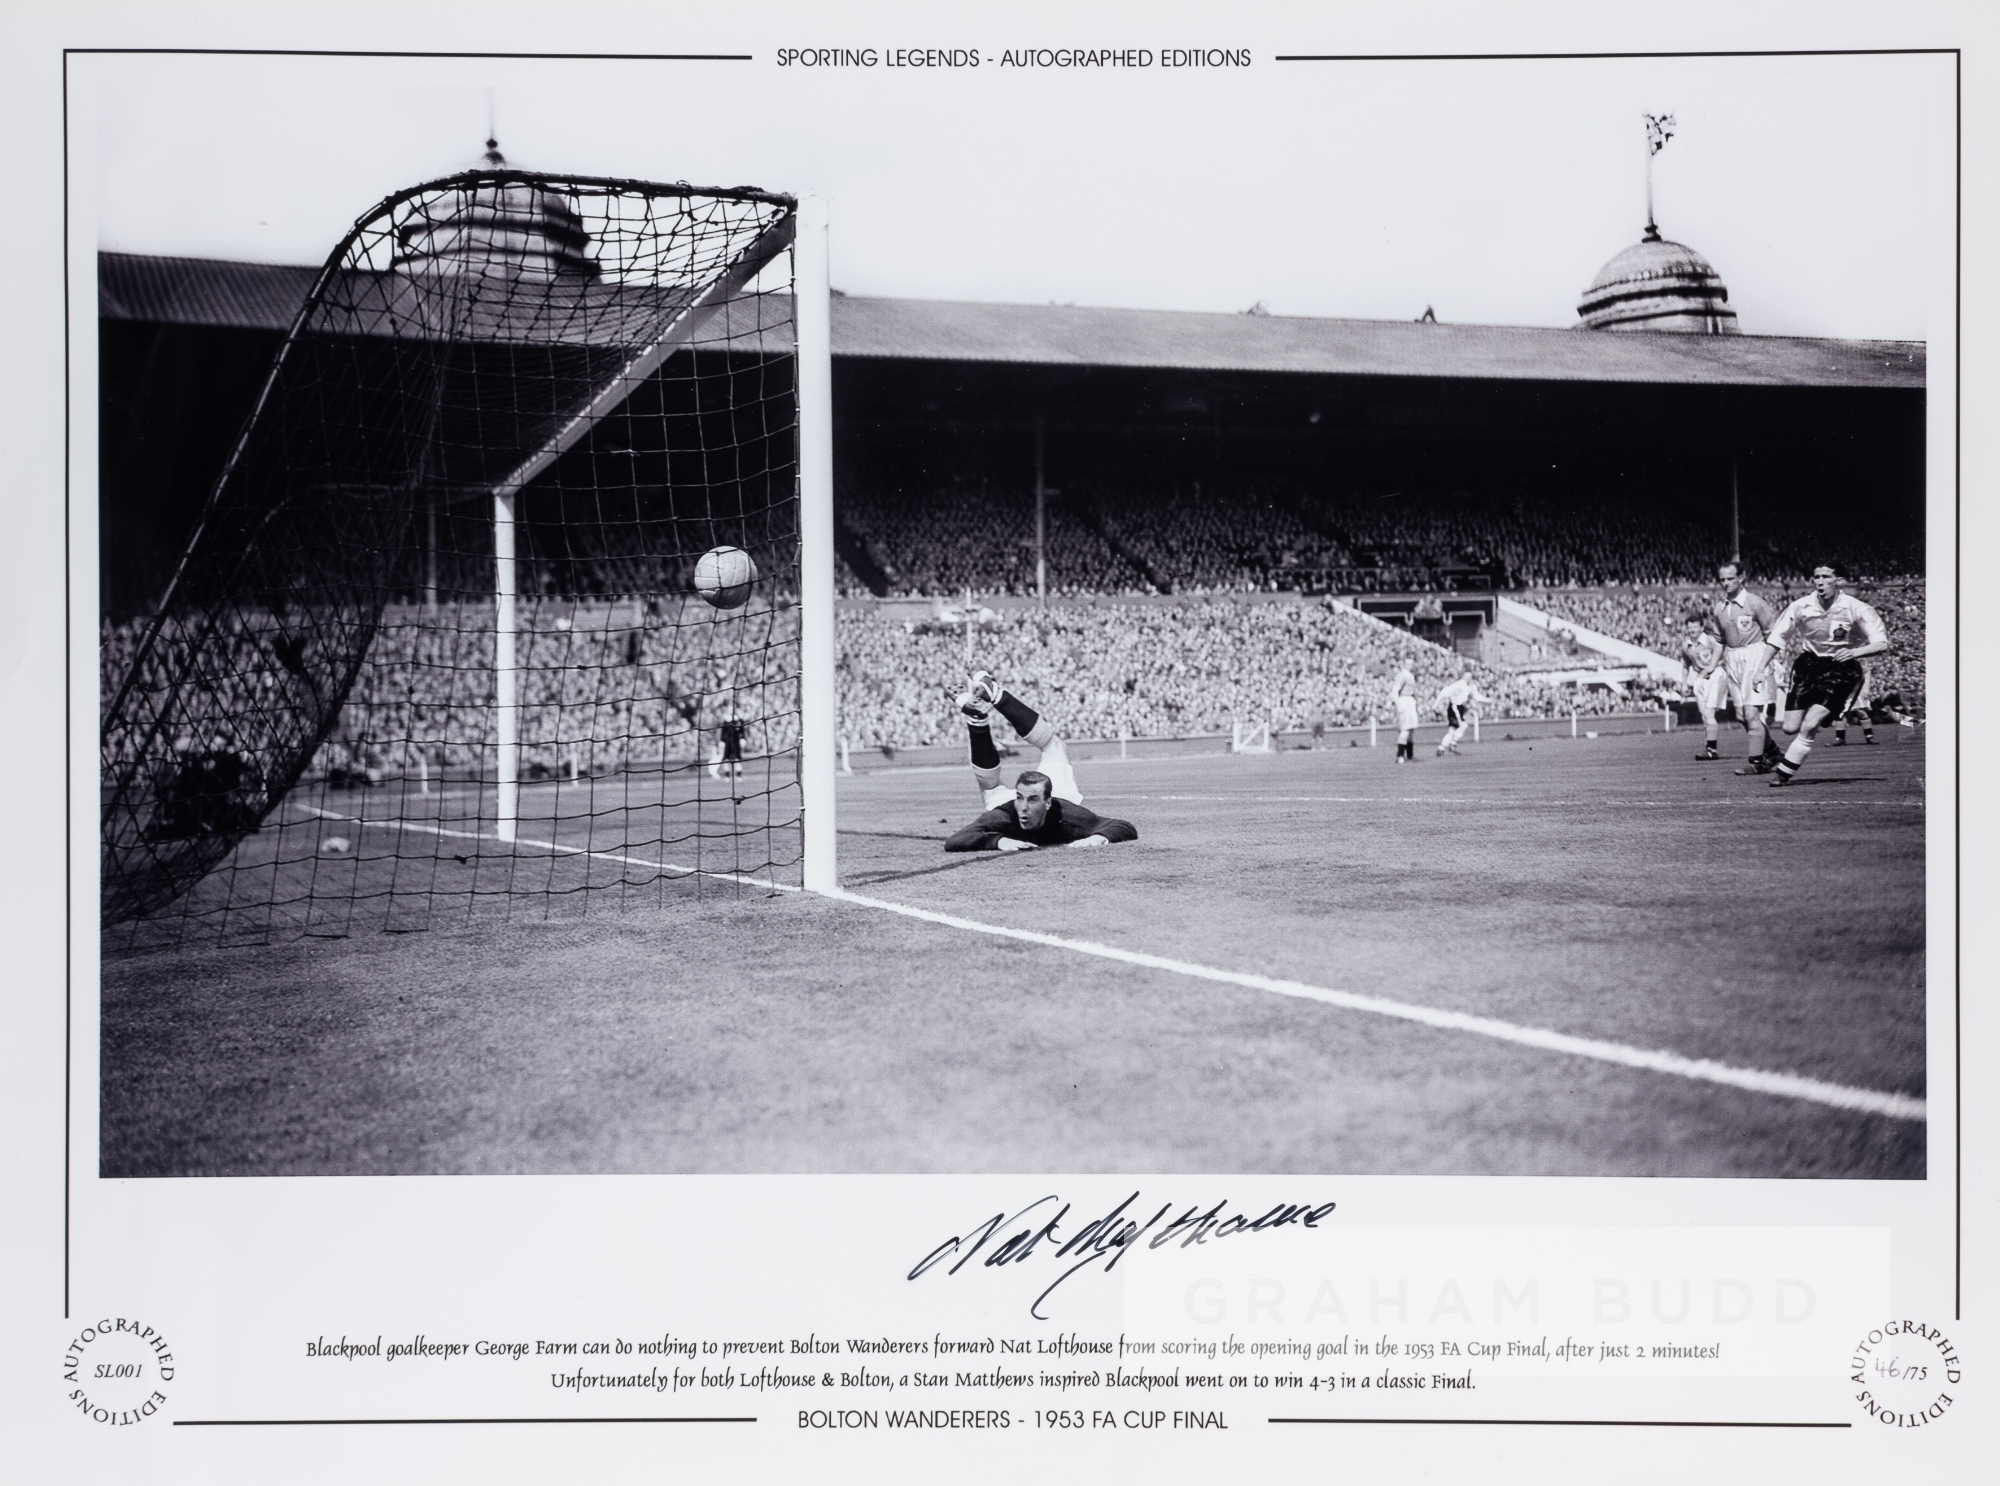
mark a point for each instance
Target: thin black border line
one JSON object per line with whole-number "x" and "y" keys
{"x": 273, "y": 51}
{"x": 1603, "y": 1423}
{"x": 69, "y": 740}
{"x": 1958, "y": 512}
{"x": 1957, "y": 691}
{"x": 1860, "y": 51}
{"x": 608, "y": 1419}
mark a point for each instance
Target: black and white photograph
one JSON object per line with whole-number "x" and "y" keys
{"x": 803, "y": 684}
{"x": 1512, "y": 713}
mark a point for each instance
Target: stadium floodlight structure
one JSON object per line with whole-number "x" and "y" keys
{"x": 434, "y": 640}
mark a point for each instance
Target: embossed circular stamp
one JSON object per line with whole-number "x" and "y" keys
{"x": 117, "y": 1371}
{"x": 1905, "y": 1373}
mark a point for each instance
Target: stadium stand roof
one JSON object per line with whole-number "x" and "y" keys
{"x": 1065, "y": 335}
{"x": 201, "y": 291}
{"x": 210, "y": 292}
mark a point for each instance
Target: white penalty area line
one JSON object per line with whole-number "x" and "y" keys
{"x": 557, "y": 848}
{"x": 1759, "y": 1081}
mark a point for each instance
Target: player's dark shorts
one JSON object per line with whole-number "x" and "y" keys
{"x": 1454, "y": 715}
{"x": 1818, "y": 681}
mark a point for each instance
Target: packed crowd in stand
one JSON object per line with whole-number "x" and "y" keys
{"x": 606, "y": 687}
{"x": 1525, "y": 544}
{"x": 1263, "y": 535}
{"x": 602, "y": 687}
{"x": 1188, "y": 541}
{"x": 978, "y": 537}
{"x": 611, "y": 680}
{"x": 1164, "y": 670}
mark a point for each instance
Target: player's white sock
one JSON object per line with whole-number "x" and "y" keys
{"x": 1795, "y": 756}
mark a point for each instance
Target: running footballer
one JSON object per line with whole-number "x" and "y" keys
{"x": 1834, "y": 631}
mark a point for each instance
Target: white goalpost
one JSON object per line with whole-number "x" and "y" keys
{"x": 817, "y": 718}
{"x": 506, "y": 695}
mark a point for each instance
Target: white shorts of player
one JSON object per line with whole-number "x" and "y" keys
{"x": 1748, "y": 690}
{"x": 1054, "y": 762}
{"x": 1709, "y": 691}
{"x": 1406, "y": 712}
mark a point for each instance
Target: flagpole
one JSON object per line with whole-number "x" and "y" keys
{"x": 1652, "y": 228}
{"x": 1659, "y": 129}
{"x": 1735, "y": 509}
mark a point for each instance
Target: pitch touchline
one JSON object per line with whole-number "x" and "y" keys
{"x": 555, "y": 846}
{"x": 1757, "y": 1080}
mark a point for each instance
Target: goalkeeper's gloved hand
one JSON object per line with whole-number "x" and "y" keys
{"x": 1008, "y": 843}
{"x": 1090, "y": 841}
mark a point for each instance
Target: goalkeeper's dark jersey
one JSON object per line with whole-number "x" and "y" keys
{"x": 1066, "y": 821}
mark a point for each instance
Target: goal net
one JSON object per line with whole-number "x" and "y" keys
{"x": 436, "y": 650}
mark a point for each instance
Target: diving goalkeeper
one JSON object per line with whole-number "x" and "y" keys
{"x": 1043, "y": 807}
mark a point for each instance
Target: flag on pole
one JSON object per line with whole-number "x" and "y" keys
{"x": 1659, "y": 129}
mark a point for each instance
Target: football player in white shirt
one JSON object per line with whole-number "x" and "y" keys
{"x": 1457, "y": 696}
{"x": 1403, "y": 697}
{"x": 1833, "y": 630}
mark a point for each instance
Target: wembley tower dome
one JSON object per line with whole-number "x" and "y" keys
{"x": 1658, "y": 285}
{"x": 508, "y": 228}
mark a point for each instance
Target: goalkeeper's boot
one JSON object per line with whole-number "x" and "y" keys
{"x": 1840, "y": 738}
{"x": 985, "y": 687}
{"x": 1708, "y": 754}
{"x": 1756, "y": 766}
{"x": 976, "y": 712}
{"x": 1868, "y": 737}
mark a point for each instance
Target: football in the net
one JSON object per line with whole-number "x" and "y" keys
{"x": 724, "y": 576}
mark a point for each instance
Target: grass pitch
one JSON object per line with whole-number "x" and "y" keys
{"x": 1610, "y": 888}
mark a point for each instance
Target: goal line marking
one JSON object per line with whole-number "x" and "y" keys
{"x": 1757, "y": 1080}
{"x": 555, "y": 847}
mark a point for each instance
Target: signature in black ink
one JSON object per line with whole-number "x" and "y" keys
{"x": 1109, "y": 1238}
